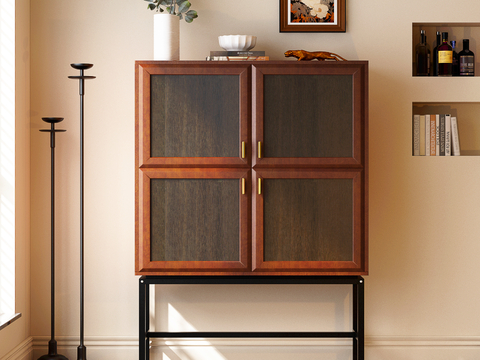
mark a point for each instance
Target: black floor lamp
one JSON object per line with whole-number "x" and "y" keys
{"x": 52, "y": 344}
{"x": 81, "y": 350}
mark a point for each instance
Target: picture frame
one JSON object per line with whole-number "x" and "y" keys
{"x": 312, "y": 16}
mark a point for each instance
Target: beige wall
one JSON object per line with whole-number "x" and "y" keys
{"x": 422, "y": 291}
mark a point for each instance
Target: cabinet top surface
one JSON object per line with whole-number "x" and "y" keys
{"x": 245, "y": 62}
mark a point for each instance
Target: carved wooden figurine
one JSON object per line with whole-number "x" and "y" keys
{"x": 319, "y": 55}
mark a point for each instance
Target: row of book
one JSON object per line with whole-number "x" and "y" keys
{"x": 435, "y": 135}
{"x": 237, "y": 56}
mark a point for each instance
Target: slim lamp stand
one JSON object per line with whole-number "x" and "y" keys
{"x": 52, "y": 344}
{"x": 81, "y": 350}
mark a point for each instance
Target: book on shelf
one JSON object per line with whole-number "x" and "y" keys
{"x": 448, "y": 135}
{"x": 427, "y": 133}
{"x": 237, "y": 58}
{"x": 435, "y": 135}
{"x": 455, "y": 138}
{"x": 416, "y": 135}
{"x": 237, "y": 53}
{"x": 423, "y": 147}
{"x": 441, "y": 141}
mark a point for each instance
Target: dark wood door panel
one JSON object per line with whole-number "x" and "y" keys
{"x": 192, "y": 114}
{"x": 309, "y": 221}
{"x": 195, "y": 220}
{"x": 310, "y": 114}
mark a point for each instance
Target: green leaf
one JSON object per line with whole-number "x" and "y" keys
{"x": 188, "y": 19}
{"x": 184, "y": 6}
{"x": 192, "y": 14}
{"x": 151, "y": 6}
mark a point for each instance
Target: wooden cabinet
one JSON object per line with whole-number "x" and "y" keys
{"x": 251, "y": 168}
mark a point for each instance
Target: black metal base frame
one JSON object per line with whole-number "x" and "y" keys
{"x": 357, "y": 335}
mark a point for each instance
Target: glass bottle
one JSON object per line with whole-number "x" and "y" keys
{"x": 435, "y": 55}
{"x": 466, "y": 60}
{"x": 445, "y": 57}
{"x": 455, "y": 59}
{"x": 422, "y": 56}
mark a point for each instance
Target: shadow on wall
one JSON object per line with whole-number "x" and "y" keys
{"x": 201, "y": 36}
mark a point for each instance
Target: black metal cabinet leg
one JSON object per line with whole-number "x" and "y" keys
{"x": 361, "y": 320}
{"x": 143, "y": 319}
{"x": 147, "y": 321}
{"x": 358, "y": 320}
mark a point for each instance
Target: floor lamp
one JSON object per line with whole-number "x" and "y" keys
{"x": 81, "y": 350}
{"x": 52, "y": 344}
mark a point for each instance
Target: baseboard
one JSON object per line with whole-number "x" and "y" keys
{"x": 23, "y": 351}
{"x": 422, "y": 347}
{"x": 370, "y": 341}
{"x": 425, "y": 341}
{"x": 90, "y": 341}
{"x": 38, "y": 342}
{"x": 376, "y": 347}
{"x": 98, "y": 347}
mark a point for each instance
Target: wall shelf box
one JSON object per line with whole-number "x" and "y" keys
{"x": 467, "y": 118}
{"x": 456, "y": 31}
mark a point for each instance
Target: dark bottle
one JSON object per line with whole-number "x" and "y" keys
{"x": 422, "y": 56}
{"x": 466, "y": 60}
{"x": 435, "y": 55}
{"x": 429, "y": 65}
{"x": 445, "y": 57}
{"x": 455, "y": 59}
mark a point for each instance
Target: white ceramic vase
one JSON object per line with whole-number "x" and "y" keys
{"x": 166, "y": 37}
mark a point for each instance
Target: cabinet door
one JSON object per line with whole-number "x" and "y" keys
{"x": 309, "y": 221}
{"x": 192, "y": 220}
{"x": 309, "y": 114}
{"x": 192, "y": 114}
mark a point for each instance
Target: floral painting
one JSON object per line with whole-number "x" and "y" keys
{"x": 312, "y": 11}
{"x": 312, "y": 15}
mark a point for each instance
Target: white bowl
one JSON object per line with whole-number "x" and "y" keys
{"x": 237, "y": 42}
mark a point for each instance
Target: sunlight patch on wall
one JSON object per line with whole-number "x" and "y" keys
{"x": 7, "y": 156}
{"x": 203, "y": 349}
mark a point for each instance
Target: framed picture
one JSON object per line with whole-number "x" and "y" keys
{"x": 312, "y": 16}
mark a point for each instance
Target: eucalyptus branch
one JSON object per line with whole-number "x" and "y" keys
{"x": 180, "y": 8}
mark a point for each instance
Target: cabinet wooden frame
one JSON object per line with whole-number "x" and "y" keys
{"x": 145, "y": 70}
{"x": 145, "y": 264}
{"x": 358, "y": 264}
{"x": 247, "y": 170}
{"x": 358, "y": 70}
